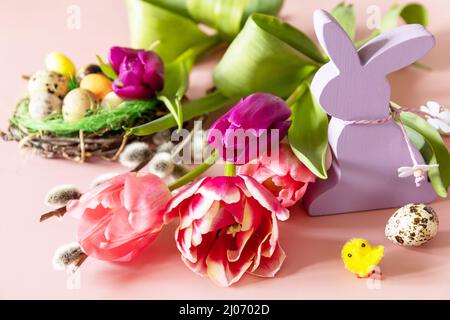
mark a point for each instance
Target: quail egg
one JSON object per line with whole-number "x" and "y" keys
{"x": 98, "y": 84}
{"x": 88, "y": 69}
{"x": 60, "y": 63}
{"x": 412, "y": 225}
{"x": 111, "y": 101}
{"x": 44, "y": 104}
{"x": 77, "y": 103}
{"x": 50, "y": 82}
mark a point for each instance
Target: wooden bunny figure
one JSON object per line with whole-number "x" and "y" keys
{"x": 367, "y": 144}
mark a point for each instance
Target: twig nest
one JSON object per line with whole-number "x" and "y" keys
{"x": 67, "y": 255}
{"x": 60, "y": 63}
{"x": 98, "y": 84}
{"x": 77, "y": 103}
{"x": 412, "y": 225}
{"x": 111, "y": 101}
{"x": 134, "y": 154}
{"x": 43, "y": 105}
{"x": 59, "y": 196}
{"x": 48, "y": 81}
{"x": 88, "y": 69}
{"x": 161, "y": 165}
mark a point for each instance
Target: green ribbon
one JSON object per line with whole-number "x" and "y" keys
{"x": 174, "y": 24}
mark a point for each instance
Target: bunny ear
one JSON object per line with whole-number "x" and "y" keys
{"x": 396, "y": 49}
{"x": 335, "y": 41}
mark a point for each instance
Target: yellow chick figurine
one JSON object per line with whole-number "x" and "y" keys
{"x": 360, "y": 257}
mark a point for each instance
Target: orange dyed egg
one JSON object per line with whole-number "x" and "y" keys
{"x": 98, "y": 84}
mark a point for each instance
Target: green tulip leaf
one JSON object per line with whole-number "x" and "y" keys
{"x": 150, "y": 23}
{"x": 430, "y": 158}
{"x": 415, "y": 13}
{"x": 308, "y": 134}
{"x": 345, "y": 15}
{"x": 175, "y": 87}
{"x": 439, "y": 150}
{"x": 266, "y": 56}
{"x": 107, "y": 69}
{"x": 191, "y": 110}
{"x": 411, "y": 13}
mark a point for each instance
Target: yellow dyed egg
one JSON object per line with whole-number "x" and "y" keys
{"x": 60, "y": 63}
{"x": 98, "y": 84}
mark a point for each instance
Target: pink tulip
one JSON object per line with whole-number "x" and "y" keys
{"x": 121, "y": 216}
{"x": 228, "y": 226}
{"x": 287, "y": 178}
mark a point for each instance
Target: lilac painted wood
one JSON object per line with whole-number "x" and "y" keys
{"x": 353, "y": 86}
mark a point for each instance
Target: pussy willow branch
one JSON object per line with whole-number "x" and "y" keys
{"x": 60, "y": 212}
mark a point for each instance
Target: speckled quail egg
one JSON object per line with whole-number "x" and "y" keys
{"x": 111, "y": 101}
{"x": 44, "y": 104}
{"x": 48, "y": 81}
{"x": 412, "y": 225}
{"x": 77, "y": 103}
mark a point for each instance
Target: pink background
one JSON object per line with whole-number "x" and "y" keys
{"x": 313, "y": 269}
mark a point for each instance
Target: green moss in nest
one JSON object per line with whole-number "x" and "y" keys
{"x": 126, "y": 115}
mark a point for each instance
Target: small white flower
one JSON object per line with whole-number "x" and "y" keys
{"x": 418, "y": 171}
{"x": 437, "y": 116}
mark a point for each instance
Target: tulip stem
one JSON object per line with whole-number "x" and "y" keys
{"x": 230, "y": 169}
{"x": 195, "y": 173}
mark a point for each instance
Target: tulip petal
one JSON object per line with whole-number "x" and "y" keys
{"x": 220, "y": 189}
{"x": 118, "y": 54}
{"x": 265, "y": 198}
{"x": 145, "y": 197}
{"x": 253, "y": 214}
{"x": 215, "y": 219}
{"x": 199, "y": 206}
{"x": 184, "y": 194}
{"x": 269, "y": 267}
{"x": 93, "y": 198}
{"x": 218, "y": 269}
{"x": 184, "y": 243}
{"x": 241, "y": 240}
{"x": 202, "y": 251}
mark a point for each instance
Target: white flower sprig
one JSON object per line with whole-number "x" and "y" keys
{"x": 437, "y": 116}
{"x": 418, "y": 171}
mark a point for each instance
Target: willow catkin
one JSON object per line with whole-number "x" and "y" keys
{"x": 67, "y": 255}
{"x": 134, "y": 154}
{"x": 60, "y": 195}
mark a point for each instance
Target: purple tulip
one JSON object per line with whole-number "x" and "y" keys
{"x": 140, "y": 73}
{"x": 246, "y": 131}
